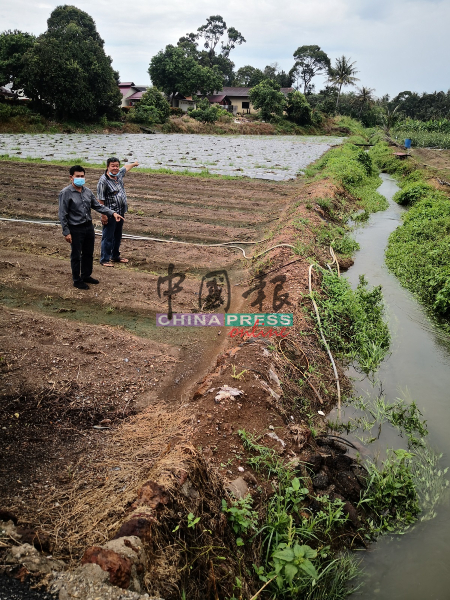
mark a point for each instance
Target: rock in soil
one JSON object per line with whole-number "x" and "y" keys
{"x": 320, "y": 481}
{"x": 238, "y": 488}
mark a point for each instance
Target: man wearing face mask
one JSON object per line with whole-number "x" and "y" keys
{"x": 111, "y": 193}
{"x": 75, "y": 203}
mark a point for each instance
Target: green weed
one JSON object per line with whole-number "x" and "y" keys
{"x": 353, "y": 320}
{"x": 412, "y": 192}
{"x": 418, "y": 251}
{"x": 236, "y": 375}
{"x": 391, "y": 493}
{"x": 241, "y": 517}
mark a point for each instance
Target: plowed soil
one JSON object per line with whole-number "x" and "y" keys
{"x": 75, "y": 364}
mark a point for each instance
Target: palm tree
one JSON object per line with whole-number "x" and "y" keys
{"x": 389, "y": 117}
{"x": 364, "y": 98}
{"x": 342, "y": 74}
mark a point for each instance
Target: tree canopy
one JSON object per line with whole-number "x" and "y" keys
{"x": 13, "y": 45}
{"x": 280, "y": 77}
{"x": 309, "y": 62}
{"x": 67, "y": 71}
{"x": 174, "y": 69}
{"x": 248, "y": 76}
{"x": 267, "y": 98}
{"x": 216, "y": 47}
{"x": 342, "y": 74}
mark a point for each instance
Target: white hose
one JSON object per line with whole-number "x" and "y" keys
{"x": 149, "y": 239}
{"x": 269, "y": 249}
{"x": 324, "y": 340}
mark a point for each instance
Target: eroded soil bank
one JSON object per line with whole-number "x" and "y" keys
{"x": 113, "y": 428}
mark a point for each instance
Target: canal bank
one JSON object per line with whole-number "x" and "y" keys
{"x": 412, "y": 566}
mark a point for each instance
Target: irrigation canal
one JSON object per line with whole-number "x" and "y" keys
{"x": 414, "y": 565}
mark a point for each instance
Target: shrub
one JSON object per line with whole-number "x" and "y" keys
{"x": 411, "y": 192}
{"x": 8, "y": 110}
{"x": 175, "y": 111}
{"x": 267, "y": 98}
{"x": 391, "y": 493}
{"x": 152, "y": 108}
{"x": 206, "y": 112}
{"x": 364, "y": 158}
{"x": 298, "y": 110}
{"x": 5, "y": 112}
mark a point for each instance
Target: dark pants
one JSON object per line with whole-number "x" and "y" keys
{"x": 82, "y": 255}
{"x": 111, "y": 238}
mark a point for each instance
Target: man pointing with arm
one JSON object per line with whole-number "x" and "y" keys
{"x": 75, "y": 203}
{"x": 111, "y": 193}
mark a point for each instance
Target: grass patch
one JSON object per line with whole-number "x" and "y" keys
{"x": 407, "y": 481}
{"x": 355, "y": 170}
{"x": 418, "y": 251}
{"x": 412, "y": 192}
{"x": 382, "y": 156}
{"x": 353, "y": 320}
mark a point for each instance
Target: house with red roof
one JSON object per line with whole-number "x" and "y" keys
{"x": 131, "y": 93}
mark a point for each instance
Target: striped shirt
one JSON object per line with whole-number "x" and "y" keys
{"x": 112, "y": 193}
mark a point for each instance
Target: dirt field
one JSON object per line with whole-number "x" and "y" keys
{"x": 436, "y": 161}
{"x": 95, "y": 398}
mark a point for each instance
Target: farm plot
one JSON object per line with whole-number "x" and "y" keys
{"x": 72, "y": 360}
{"x": 267, "y": 157}
{"x": 96, "y": 399}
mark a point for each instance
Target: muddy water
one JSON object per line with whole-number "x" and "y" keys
{"x": 414, "y": 566}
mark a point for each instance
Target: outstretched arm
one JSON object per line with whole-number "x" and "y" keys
{"x": 131, "y": 165}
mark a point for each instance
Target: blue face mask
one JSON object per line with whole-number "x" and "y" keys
{"x": 79, "y": 181}
{"x": 112, "y": 174}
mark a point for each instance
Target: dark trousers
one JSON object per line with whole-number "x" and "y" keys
{"x": 111, "y": 238}
{"x": 82, "y": 255}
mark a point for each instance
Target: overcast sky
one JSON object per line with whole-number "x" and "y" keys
{"x": 397, "y": 44}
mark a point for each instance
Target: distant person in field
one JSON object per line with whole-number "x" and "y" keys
{"x": 75, "y": 203}
{"x": 111, "y": 193}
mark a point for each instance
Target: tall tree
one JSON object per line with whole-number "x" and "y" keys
{"x": 248, "y": 76}
{"x": 342, "y": 74}
{"x": 212, "y": 32}
{"x": 309, "y": 62}
{"x": 364, "y": 98}
{"x": 216, "y": 48}
{"x": 174, "y": 70}
{"x": 67, "y": 70}
{"x": 13, "y": 45}
{"x": 280, "y": 77}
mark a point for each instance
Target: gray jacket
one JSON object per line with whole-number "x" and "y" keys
{"x": 75, "y": 207}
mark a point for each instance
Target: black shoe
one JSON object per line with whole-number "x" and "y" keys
{"x": 90, "y": 280}
{"x": 80, "y": 285}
